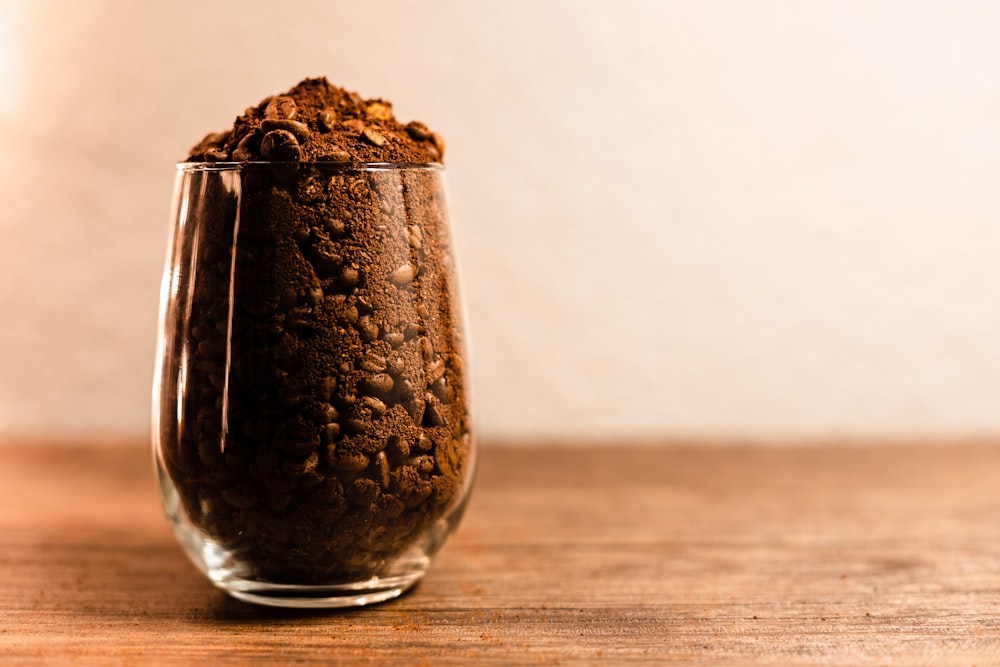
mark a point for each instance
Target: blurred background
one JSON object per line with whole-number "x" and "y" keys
{"x": 677, "y": 220}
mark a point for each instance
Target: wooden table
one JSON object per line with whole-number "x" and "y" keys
{"x": 715, "y": 554}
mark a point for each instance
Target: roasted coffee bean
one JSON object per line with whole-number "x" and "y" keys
{"x": 379, "y": 385}
{"x": 373, "y": 363}
{"x": 432, "y": 412}
{"x": 379, "y": 109}
{"x": 435, "y": 371}
{"x": 351, "y": 315}
{"x": 326, "y": 118}
{"x": 418, "y": 131}
{"x": 414, "y": 237}
{"x": 367, "y": 328}
{"x": 381, "y": 469}
{"x": 299, "y": 130}
{"x": 247, "y": 148}
{"x": 351, "y": 462}
{"x": 350, "y": 276}
{"x": 280, "y": 146}
{"x": 335, "y": 226}
{"x": 216, "y": 155}
{"x": 397, "y": 449}
{"x": 426, "y": 350}
{"x": 357, "y": 425}
{"x": 280, "y": 107}
{"x": 411, "y": 331}
{"x": 438, "y": 141}
{"x": 335, "y": 156}
{"x": 395, "y": 338}
{"x": 375, "y": 405}
{"x": 416, "y": 407}
{"x": 424, "y": 464}
{"x": 374, "y": 137}
{"x": 396, "y": 365}
{"x": 354, "y": 125}
{"x": 443, "y": 391}
{"x": 403, "y": 275}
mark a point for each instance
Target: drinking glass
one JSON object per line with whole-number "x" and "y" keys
{"x": 311, "y": 417}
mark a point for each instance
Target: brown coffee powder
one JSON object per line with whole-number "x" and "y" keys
{"x": 325, "y": 424}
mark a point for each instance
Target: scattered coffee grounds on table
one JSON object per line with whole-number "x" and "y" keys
{"x": 325, "y": 424}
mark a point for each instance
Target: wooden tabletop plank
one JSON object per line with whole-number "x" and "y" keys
{"x": 568, "y": 555}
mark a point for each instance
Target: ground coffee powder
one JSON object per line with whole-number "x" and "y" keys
{"x": 325, "y": 422}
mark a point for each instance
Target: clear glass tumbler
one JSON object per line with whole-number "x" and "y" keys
{"x": 311, "y": 422}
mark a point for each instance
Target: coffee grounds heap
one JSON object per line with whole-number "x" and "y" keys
{"x": 325, "y": 418}
{"x": 318, "y": 122}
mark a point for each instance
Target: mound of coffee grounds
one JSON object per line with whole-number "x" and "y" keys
{"x": 318, "y": 122}
{"x": 324, "y": 417}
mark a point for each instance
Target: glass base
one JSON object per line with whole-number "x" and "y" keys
{"x": 225, "y": 570}
{"x": 320, "y": 597}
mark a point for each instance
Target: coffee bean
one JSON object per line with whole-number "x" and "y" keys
{"x": 247, "y": 148}
{"x": 299, "y": 130}
{"x": 374, "y": 137}
{"x": 379, "y": 110}
{"x": 357, "y": 425}
{"x": 416, "y": 408}
{"x": 403, "y": 275}
{"x": 373, "y": 363}
{"x": 335, "y": 226}
{"x": 351, "y": 315}
{"x": 326, "y": 118}
{"x": 280, "y": 146}
{"x": 335, "y": 156}
{"x": 354, "y": 125}
{"x": 381, "y": 464}
{"x": 350, "y": 276}
{"x": 443, "y": 391}
{"x": 418, "y": 131}
{"x": 377, "y": 385}
{"x": 216, "y": 155}
{"x": 426, "y": 350}
{"x": 280, "y": 107}
{"x": 435, "y": 371}
{"x": 397, "y": 449}
{"x": 414, "y": 237}
{"x": 374, "y": 405}
{"x": 432, "y": 412}
{"x": 423, "y": 464}
{"x": 438, "y": 141}
{"x": 395, "y": 339}
{"x": 367, "y": 328}
{"x": 351, "y": 462}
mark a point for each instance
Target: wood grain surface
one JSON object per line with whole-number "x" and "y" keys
{"x": 714, "y": 554}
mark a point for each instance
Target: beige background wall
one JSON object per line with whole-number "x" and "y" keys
{"x": 689, "y": 219}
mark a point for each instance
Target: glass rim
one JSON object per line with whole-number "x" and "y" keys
{"x": 321, "y": 164}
